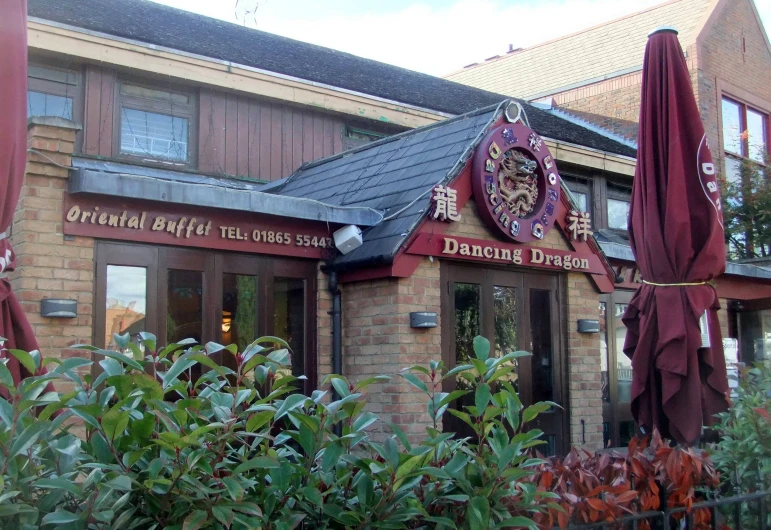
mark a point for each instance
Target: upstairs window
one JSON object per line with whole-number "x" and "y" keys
{"x": 155, "y": 124}
{"x": 619, "y": 198}
{"x": 745, "y": 135}
{"x": 581, "y": 191}
{"x": 52, "y": 92}
{"x": 356, "y": 137}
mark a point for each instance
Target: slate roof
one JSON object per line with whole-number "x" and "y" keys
{"x": 394, "y": 175}
{"x": 160, "y": 25}
{"x": 587, "y": 56}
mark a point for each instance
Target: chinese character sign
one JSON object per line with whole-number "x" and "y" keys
{"x": 446, "y": 204}
{"x": 579, "y": 225}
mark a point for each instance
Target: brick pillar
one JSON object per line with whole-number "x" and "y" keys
{"x": 48, "y": 266}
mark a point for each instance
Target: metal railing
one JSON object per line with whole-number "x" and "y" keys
{"x": 741, "y": 512}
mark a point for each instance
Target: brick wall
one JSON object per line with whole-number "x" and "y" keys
{"x": 47, "y": 265}
{"x": 378, "y": 340}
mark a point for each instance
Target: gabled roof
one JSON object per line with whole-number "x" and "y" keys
{"x": 160, "y": 25}
{"x": 588, "y": 56}
{"x": 394, "y": 175}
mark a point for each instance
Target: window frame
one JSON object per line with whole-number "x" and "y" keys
{"x": 39, "y": 79}
{"x": 187, "y": 111}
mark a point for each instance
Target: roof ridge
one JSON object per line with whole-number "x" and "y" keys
{"x": 563, "y": 37}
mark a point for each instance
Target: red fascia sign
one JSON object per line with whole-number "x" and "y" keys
{"x": 465, "y": 248}
{"x": 182, "y": 225}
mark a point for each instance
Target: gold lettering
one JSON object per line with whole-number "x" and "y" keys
{"x": 584, "y": 263}
{"x": 142, "y": 221}
{"x": 84, "y": 217}
{"x": 224, "y": 230}
{"x": 190, "y": 227}
{"x": 123, "y": 218}
{"x": 113, "y": 220}
{"x": 208, "y": 227}
{"x": 199, "y": 230}
{"x": 181, "y": 226}
{"x": 517, "y": 257}
{"x": 506, "y": 254}
{"x": 558, "y": 261}
{"x": 73, "y": 213}
{"x": 133, "y": 222}
{"x": 568, "y": 264}
{"x": 488, "y": 252}
{"x": 450, "y": 246}
{"x": 476, "y": 251}
{"x": 548, "y": 259}
{"x": 464, "y": 250}
{"x": 536, "y": 256}
{"x": 93, "y": 215}
{"x": 171, "y": 226}
{"x": 103, "y": 219}
{"x": 159, "y": 223}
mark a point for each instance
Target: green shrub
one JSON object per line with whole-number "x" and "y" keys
{"x": 142, "y": 446}
{"x": 743, "y": 454}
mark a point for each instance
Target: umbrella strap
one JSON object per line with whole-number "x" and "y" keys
{"x": 673, "y": 284}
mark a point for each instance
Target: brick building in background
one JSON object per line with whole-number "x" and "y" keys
{"x": 595, "y": 80}
{"x": 185, "y": 176}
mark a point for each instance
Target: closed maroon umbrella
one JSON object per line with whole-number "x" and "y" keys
{"x": 14, "y": 325}
{"x": 676, "y": 233}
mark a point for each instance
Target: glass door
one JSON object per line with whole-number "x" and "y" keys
{"x": 515, "y": 311}
{"x": 616, "y": 381}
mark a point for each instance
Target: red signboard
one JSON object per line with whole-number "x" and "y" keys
{"x": 504, "y": 253}
{"x": 181, "y": 225}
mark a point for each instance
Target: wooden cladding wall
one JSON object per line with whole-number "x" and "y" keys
{"x": 99, "y": 111}
{"x": 237, "y": 135}
{"x": 259, "y": 139}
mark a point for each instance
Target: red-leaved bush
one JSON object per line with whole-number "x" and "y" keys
{"x": 594, "y": 487}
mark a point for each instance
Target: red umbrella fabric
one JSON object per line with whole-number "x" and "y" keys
{"x": 14, "y": 325}
{"x": 676, "y": 233}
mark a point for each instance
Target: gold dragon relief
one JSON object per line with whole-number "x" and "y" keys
{"x": 518, "y": 182}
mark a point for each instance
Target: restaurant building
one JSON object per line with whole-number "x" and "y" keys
{"x": 193, "y": 188}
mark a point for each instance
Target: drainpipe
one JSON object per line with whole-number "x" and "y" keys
{"x": 337, "y": 338}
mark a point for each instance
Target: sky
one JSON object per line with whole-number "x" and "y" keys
{"x": 431, "y": 36}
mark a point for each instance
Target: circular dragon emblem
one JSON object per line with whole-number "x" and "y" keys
{"x": 515, "y": 182}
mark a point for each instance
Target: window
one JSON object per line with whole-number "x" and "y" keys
{"x": 618, "y": 206}
{"x": 52, "y": 92}
{"x": 581, "y": 191}
{"x": 745, "y": 132}
{"x": 356, "y": 137}
{"x": 177, "y": 293}
{"x": 155, "y": 124}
